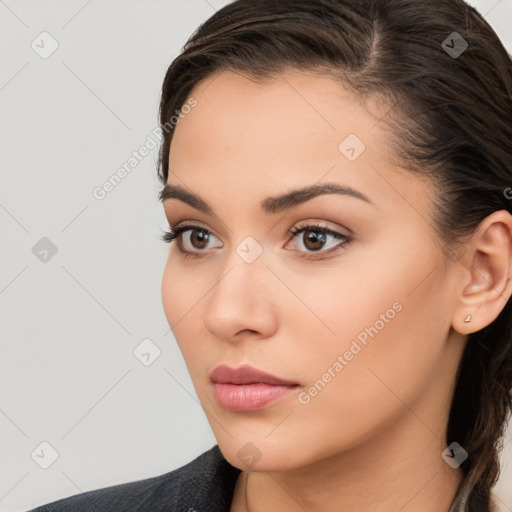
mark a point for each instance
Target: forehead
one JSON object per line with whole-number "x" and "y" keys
{"x": 231, "y": 100}
{"x": 288, "y": 118}
{"x": 281, "y": 133}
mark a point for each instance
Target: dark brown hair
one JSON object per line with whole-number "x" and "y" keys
{"x": 449, "y": 109}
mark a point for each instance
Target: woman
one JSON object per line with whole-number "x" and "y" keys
{"x": 338, "y": 189}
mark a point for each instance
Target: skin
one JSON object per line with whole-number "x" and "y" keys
{"x": 372, "y": 438}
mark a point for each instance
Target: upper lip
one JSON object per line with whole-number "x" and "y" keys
{"x": 245, "y": 374}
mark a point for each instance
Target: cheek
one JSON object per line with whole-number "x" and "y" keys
{"x": 374, "y": 384}
{"x": 375, "y": 347}
{"x": 182, "y": 288}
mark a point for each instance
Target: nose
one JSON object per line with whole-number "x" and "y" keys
{"x": 240, "y": 304}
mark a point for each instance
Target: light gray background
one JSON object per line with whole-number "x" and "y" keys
{"x": 70, "y": 324}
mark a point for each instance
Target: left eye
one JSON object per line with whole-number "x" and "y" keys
{"x": 315, "y": 237}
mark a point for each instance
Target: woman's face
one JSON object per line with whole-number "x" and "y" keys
{"x": 360, "y": 321}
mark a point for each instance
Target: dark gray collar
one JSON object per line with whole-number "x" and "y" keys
{"x": 206, "y": 483}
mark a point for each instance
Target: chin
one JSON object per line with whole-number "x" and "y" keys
{"x": 262, "y": 454}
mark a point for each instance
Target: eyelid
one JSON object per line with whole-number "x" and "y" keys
{"x": 190, "y": 223}
{"x": 322, "y": 225}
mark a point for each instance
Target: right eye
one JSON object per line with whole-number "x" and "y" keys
{"x": 198, "y": 241}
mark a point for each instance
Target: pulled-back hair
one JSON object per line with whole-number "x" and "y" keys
{"x": 449, "y": 113}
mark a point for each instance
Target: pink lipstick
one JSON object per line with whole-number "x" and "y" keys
{"x": 247, "y": 388}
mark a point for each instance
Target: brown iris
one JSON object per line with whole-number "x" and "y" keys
{"x": 201, "y": 236}
{"x": 313, "y": 239}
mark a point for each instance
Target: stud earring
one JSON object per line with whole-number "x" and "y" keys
{"x": 468, "y": 318}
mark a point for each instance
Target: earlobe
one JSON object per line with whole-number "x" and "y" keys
{"x": 487, "y": 283}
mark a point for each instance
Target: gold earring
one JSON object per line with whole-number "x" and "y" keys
{"x": 468, "y": 318}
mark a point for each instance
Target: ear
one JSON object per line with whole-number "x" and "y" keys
{"x": 486, "y": 283}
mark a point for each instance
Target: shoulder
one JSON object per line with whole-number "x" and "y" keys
{"x": 205, "y": 483}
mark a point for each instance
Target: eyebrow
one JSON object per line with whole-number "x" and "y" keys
{"x": 274, "y": 204}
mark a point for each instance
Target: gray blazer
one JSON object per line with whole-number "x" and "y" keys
{"x": 205, "y": 484}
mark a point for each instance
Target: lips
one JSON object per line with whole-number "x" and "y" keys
{"x": 246, "y": 374}
{"x": 247, "y": 389}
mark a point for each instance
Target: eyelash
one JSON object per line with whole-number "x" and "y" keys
{"x": 175, "y": 233}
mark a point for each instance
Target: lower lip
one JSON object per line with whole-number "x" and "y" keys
{"x": 249, "y": 397}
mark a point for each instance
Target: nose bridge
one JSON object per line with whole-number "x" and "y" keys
{"x": 240, "y": 298}
{"x": 244, "y": 274}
